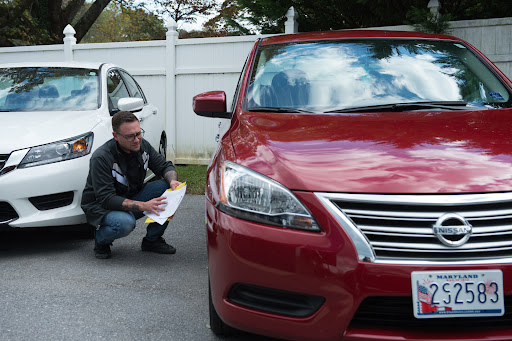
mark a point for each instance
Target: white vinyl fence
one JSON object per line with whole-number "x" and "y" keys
{"x": 492, "y": 36}
{"x": 172, "y": 71}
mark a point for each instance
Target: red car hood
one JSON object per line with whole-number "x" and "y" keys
{"x": 413, "y": 152}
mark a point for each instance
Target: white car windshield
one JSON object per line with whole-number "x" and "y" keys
{"x": 333, "y": 76}
{"x": 48, "y": 89}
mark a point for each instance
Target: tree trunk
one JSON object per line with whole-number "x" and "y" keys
{"x": 86, "y": 21}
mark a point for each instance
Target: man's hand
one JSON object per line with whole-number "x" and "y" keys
{"x": 152, "y": 206}
{"x": 172, "y": 178}
{"x": 155, "y": 205}
{"x": 174, "y": 184}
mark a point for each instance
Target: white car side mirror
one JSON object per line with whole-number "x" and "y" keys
{"x": 132, "y": 104}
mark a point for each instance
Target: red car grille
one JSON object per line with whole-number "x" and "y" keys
{"x": 399, "y": 228}
{"x": 397, "y": 313}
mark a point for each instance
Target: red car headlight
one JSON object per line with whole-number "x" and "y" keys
{"x": 249, "y": 195}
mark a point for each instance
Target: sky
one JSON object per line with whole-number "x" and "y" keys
{"x": 198, "y": 25}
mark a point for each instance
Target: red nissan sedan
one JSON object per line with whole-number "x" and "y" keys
{"x": 363, "y": 191}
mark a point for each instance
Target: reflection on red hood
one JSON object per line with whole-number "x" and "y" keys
{"x": 414, "y": 152}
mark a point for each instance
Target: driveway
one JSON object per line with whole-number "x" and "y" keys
{"x": 53, "y": 288}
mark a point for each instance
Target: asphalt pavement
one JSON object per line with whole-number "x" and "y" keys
{"x": 53, "y": 288}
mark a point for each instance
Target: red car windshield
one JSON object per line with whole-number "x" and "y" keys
{"x": 344, "y": 74}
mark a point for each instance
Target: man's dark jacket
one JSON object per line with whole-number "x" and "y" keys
{"x": 107, "y": 183}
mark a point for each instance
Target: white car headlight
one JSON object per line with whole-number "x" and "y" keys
{"x": 58, "y": 151}
{"x": 249, "y": 195}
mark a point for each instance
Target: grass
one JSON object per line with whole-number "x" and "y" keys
{"x": 195, "y": 176}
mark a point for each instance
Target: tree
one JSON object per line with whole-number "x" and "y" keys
{"x": 473, "y": 9}
{"x": 268, "y": 16}
{"x": 125, "y": 22}
{"x": 33, "y": 22}
{"x": 225, "y": 23}
{"x": 248, "y": 17}
{"x": 424, "y": 20}
{"x": 185, "y": 10}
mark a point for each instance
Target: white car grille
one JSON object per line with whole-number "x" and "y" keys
{"x": 399, "y": 228}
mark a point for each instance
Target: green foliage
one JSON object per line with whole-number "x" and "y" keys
{"x": 20, "y": 27}
{"x": 35, "y": 22}
{"x": 195, "y": 176}
{"x": 268, "y": 16}
{"x": 226, "y": 20}
{"x": 425, "y": 21}
{"x": 185, "y": 10}
{"x": 184, "y": 34}
{"x": 119, "y": 22}
{"x": 477, "y": 9}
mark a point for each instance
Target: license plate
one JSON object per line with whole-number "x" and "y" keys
{"x": 437, "y": 294}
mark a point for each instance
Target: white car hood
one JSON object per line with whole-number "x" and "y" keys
{"x": 29, "y": 129}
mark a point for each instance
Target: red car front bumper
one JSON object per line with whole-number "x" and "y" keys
{"x": 320, "y": 265}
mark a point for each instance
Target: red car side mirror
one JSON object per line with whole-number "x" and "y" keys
{"x": 211, "y": 104}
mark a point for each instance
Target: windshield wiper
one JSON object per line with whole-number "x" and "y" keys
{"x": 448, "y": 105}
{"x": 279, "y": 110}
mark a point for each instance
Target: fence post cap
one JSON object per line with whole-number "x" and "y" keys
{"x": 433, "y": 3}
{"x": 69, "y": 30}
{"x": 172, "y": 25}
{"x": 291, "y": 13}
{"x": 290, "y": 25}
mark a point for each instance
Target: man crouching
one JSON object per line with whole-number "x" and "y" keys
{"x": 115, "y": 194}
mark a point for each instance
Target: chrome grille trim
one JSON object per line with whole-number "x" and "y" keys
{"x": 364, "y": 249}
{"x": 13, "y": 160}
{"x": 3, "y": 158}
{"x": 397, "y": 229}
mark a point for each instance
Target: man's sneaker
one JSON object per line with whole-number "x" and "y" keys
{"x": 158, "y": 246}
{"x": 102, "y": 251}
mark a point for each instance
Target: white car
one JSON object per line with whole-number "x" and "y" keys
{"x": 54, "y": 115}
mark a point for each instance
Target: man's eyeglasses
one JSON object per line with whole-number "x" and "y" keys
{"x": 132, "y": 137}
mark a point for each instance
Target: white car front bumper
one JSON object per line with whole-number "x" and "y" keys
{"x": 56, "y": 190}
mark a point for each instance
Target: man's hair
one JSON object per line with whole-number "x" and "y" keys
{"x": 121, "y": 117}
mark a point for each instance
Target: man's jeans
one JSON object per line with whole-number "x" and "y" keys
{"x": 117, "y": 224}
